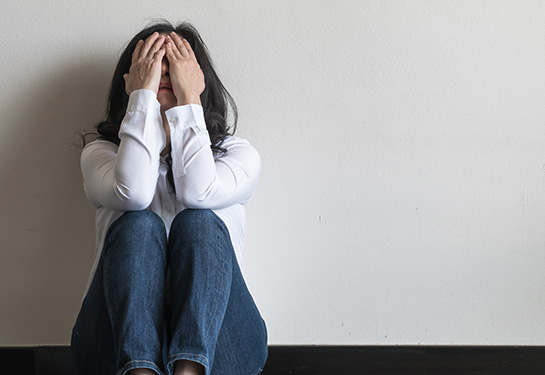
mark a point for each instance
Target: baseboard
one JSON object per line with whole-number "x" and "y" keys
{"x": 337, "y": 360}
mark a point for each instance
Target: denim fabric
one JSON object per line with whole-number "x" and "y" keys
{"x": 128, "y": 321}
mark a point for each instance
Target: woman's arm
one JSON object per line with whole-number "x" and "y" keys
{"x": 125, "y": 178}
{"x": 200, "y": 180}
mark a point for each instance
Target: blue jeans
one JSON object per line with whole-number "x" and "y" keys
{"x": 154, "y": 301}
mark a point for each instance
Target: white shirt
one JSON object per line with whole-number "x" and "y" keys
{"x": 133, "y": 176}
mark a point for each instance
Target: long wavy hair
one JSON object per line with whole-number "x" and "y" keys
{"x": 215, "y": 99}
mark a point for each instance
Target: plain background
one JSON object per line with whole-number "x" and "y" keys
{"x": 402, "y": 198}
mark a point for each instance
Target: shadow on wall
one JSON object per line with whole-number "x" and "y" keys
{"x": 48, "y": 225}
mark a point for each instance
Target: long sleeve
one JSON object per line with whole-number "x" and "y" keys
{"x": 201, "y": 179}
{"x": 124, "y": 178}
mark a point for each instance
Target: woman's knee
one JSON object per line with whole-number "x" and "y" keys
{"x": 201, "y": 229}
{"x": 138, "y": 224}
{"x": 140, "y": 220}
{"x": 136, "y": 230}
{"x": 199, "y": 217}
{"x": 195, "y": 223}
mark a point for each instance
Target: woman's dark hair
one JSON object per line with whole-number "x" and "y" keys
{"x": 215, "y": 99}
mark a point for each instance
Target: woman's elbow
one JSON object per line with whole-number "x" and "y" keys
{"x": 134, "y": 200}
{"x": 191, "y": 201}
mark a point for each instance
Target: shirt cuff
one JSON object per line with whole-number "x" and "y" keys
{"x": 186, "y": 116}
{"x": 142, "y": 101}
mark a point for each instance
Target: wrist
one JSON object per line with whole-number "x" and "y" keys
{"x": 189, "y": 100}
{"x": 185, "y": 98}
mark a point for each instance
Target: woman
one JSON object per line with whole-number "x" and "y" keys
{"x": 169, "y": 182}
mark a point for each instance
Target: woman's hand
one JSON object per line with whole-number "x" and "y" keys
{"x": 145, "y": 71}
{"x": 186, "y": 76}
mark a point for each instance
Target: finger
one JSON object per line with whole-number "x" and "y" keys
{"x": 159, "y": 43}
{"x": 189, "y": 49}
{"x": 179, "y": 44}
{"x": 160, "y": 54}
{"x": 175, "y": 37}
{"x": 126, "y": 78}
{"x": 148, "y": 44}
{"x": 172, "y": 51}
{"x": 136, "y": 52}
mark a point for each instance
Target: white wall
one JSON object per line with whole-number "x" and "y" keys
{"x": 402, "y": 199}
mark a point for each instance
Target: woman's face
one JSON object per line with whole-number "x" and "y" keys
{"x": 165, "y": 94}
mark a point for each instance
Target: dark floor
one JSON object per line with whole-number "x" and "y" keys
{"x": 336, "y": 360}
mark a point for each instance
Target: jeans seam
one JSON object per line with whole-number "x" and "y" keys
{"x": 192, "y": 354}
{"x": 183, "y": 356}
{"x": 224, "y": 264}
{"x": 215, "y": 315}
{"x": 134, "y": 364}
{"x": 108, "y": 294}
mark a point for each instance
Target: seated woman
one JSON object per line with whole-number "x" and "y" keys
{"x": 169, "y": 182}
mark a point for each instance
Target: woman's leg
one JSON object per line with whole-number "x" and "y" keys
{"x": 92, "y": 338}
{"x": 120, "y": 325}
{"x": 242, "y": 343}
{"x": 214, "y": 320}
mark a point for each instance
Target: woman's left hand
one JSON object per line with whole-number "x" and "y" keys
{"x": 186, "y": 76}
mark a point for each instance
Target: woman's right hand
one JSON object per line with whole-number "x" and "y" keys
{"x": 145, "y": 71}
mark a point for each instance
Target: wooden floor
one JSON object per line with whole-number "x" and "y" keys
{"x": 336, "y": 360}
